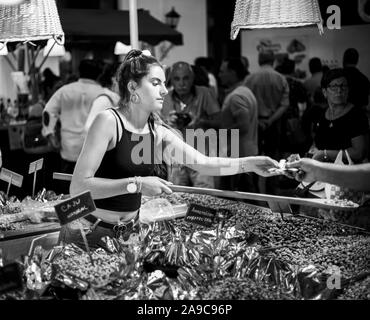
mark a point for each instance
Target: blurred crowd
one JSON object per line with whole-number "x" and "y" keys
{"x": 276, "y": 112}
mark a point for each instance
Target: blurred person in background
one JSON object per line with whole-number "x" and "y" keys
{"x": 358, "y": 83}
{"x": 313, "y": 83}
{"x": 186, "y": 106}
{"x": 245, "y": 62}
{"x": 293, "y": 139}
{"x": 340, "y": 126}
{"x": 70, "y": 106}
{"x": 49, "y": 84}
{"x": 312, "y": 115}
{"x": 109, "y": 97}
{"x": 200, "y": 76}
{"x": 239, "y": 111}
{"x": 271, "y": 90}
{"x": 208, "y": 65}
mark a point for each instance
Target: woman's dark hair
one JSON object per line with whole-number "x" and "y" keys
{"x": 331, "y": 75}
{"x": 134, "y": 67}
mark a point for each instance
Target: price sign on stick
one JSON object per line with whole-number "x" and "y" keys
{"x": 12, "y": 178}
{"x": 34, "y": 167}
{"x": 76, "y": 208}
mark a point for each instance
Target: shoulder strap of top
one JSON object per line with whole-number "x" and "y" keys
{"x": 119, "y": 117}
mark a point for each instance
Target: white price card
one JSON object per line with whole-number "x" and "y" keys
{"x": 10, "y": 176}
{"x": 36, "y": 165}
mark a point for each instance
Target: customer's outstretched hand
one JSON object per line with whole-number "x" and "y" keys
{"x": 307, "y": 169}
{"x": 263, "y": 166}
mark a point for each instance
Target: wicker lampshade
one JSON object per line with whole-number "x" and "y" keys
{"x": 30, "y": 21}
{"x": 258, "y": 14}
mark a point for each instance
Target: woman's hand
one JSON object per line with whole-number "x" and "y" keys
{"x": 262, "y": 165}
{"x": 307, "y": 169}
{"x": 154, "y": 186}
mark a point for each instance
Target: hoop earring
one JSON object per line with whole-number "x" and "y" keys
{"x": 134, "y": 98}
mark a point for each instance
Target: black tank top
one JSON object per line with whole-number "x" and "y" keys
{"x": 118, "y": 163}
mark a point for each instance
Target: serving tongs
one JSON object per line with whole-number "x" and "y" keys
{"x": 276, "y": 203}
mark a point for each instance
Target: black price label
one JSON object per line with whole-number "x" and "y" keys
{"x": 200, "y": 215}
{"x": 10, "y": 278}
{"x": 75, "y": 208}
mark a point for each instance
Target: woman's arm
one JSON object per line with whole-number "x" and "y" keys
{"x": 179, "y": 152}
{"x": 356, "y": 176}
{"x": 357, "y": 151}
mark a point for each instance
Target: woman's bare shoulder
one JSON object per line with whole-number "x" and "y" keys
{"x": 104, "y": 122}
{"x": 106, "y": 116}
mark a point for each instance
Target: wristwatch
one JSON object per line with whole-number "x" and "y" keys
{"x": 131, "y": 186}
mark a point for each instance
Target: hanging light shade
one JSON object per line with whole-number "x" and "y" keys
{"x": 31, "y": 20}
{"x": 262, "y": 14}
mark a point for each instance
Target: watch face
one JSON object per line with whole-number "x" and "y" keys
{"x": 131, "y": 187}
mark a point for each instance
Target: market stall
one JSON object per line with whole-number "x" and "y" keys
{"x": 194, "y": 245}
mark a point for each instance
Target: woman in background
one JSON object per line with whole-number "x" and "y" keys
{"x": 340, "y": 126}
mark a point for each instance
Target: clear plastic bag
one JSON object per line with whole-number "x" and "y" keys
{"x": 157, "y": 209}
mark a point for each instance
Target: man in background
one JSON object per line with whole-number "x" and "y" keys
{"x": 271, "y": 90}
{"x": 239, "y": 111}
{"x": 187, "y": 106}
{"x": 359, "y": 85}
{"x": 313, "y": 83}
{"x": 70, "y": 106}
